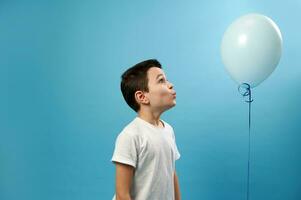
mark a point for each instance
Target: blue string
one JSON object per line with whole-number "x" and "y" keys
{"x": 247, "y": 93}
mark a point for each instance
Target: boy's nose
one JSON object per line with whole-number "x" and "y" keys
{"x": 170, "y": 85}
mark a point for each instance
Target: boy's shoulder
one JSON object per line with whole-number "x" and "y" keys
{"x": 131, "y": 129}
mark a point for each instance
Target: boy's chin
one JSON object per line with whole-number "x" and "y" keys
{"x": 171, "y": 105}
{"x": 174, "y": 102}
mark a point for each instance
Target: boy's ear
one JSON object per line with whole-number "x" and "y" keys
{"x": 141, "y": 98}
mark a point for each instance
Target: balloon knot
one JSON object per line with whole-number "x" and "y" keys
{"x": 245, "y": 90}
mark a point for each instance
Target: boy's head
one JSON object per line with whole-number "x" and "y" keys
{"x": 145, "y": 85}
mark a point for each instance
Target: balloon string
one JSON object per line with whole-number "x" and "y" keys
{"x": 247, "y": 93}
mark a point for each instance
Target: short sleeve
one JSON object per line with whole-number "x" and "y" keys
{"x": 177, "y": 153}
{"x": 125, "y": 149}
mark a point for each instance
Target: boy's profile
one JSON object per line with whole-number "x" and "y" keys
{"x": 145, "y": 150}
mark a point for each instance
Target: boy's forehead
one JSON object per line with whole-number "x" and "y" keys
{"x": 155, "y": 72}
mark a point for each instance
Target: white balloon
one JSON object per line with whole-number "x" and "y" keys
{"x": 251, "y": 49}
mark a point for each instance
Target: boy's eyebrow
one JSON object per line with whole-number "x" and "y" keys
{"x": 159, "y": 75}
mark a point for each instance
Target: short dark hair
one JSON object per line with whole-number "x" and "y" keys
{"x": 134, "y": 79}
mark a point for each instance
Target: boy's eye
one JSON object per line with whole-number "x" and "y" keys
{"x": 161, "y": 80}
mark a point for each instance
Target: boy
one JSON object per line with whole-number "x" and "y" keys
{"x": 145, "y": 150}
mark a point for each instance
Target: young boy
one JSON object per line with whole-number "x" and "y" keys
{"x": 145, "y": 150}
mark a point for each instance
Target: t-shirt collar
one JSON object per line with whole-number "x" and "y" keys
{"x": 151, "y": 125}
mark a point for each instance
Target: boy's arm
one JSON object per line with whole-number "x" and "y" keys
{"x": 124, "y": 175}
{"x": 177, "y": 187}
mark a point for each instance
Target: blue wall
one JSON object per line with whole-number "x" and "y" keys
{"x": 61, "y": 107}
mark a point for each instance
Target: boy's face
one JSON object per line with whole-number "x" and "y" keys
{"x": 161, "y": 94}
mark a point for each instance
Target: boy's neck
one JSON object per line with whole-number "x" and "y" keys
{"x": 153, "y": 118}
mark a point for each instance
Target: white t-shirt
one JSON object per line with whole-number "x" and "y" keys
{"x": 152, "y": 151}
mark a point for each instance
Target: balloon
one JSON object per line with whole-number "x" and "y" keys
{"x": 251, "y": 48}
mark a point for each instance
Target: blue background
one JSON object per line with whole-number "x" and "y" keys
{"x": 61, "y": 108}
